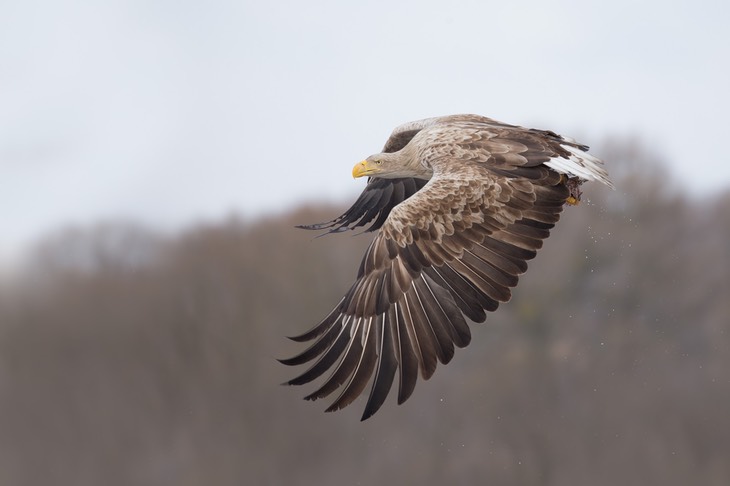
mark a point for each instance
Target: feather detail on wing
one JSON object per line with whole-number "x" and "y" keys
{"x": 374, "y": 203}
{"x": 453, "y": 249}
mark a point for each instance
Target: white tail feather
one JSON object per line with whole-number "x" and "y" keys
{"x": 580, "y": 164}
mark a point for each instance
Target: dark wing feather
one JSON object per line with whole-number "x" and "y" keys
{"x": 387, "y": 365}
{"x": 453, "y": 249}
{"x": 378, "y": 198}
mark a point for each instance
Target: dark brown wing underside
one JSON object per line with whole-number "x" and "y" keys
{"x": 376, "y": 201}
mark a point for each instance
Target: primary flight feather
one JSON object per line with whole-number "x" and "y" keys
{"x": 460, "y": 204}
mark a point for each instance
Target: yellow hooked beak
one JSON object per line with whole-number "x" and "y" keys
{"x": 362, "y": 169}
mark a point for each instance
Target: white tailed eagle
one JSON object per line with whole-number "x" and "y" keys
{"x": 460, "y": 203}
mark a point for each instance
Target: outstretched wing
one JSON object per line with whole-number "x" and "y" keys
{"x": 453, "y": 249}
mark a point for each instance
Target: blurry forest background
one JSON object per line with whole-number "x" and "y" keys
{"x": 128, "y": 357}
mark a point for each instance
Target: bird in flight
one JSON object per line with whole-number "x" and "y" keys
{"x": 460, "y": 204}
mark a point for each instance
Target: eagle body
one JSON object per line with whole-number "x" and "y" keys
{"x": 460, "y": 204}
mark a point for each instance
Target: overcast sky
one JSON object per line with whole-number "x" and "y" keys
{"x": 170, "y": 112}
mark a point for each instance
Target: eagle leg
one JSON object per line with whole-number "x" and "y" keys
{"x": 573, "y": 185}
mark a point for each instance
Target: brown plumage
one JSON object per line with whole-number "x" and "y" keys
{"x": 460, "y": 204}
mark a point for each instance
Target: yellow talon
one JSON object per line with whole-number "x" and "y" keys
{"x": 572, "y": 201}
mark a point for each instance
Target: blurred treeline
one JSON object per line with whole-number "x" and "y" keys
{"x": 128, "y": 357}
